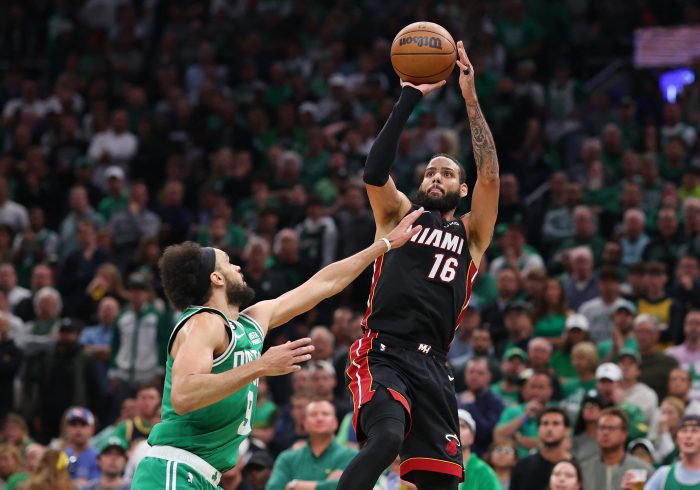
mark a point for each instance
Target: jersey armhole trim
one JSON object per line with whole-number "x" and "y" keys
{"x": 254, "y": 322}
{"x": 231, "y": 346}
{"x": 227, "y": 324}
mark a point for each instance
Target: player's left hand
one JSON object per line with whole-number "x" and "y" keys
{"x": 424, "y": 88}
{"x": 466, "y": 72}
{"x": 405, "y": 230}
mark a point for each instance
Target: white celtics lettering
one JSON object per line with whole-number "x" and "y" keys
{"x": 440, "y": 239}
{"x": 244, "y": 357}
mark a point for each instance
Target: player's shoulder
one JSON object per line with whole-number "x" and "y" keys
{"x": 202, "y": 323}
{"x": 205, "y": 317}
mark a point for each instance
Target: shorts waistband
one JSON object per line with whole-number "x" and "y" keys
{"x": 207, "y": 471}
{"x": 420, "y": 347}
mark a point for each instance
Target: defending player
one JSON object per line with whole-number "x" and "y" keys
{"x": 402, "y": 390}
{"x": 214, "y": 357}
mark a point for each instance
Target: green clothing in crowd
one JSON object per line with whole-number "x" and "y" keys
{"x": 527, "y": 429}
{"x": 561, "y": 363}
{"x": 14, "y": 480}
{"x": 265, "y": 415}
{"x": 605, "y": 346}
{"x": 302, "y": 464}
{"x": 110, "y": 205}
{"x": 479, "y": 475}
{"x": 509, "y": 398}
{"x": 550, "y": 326}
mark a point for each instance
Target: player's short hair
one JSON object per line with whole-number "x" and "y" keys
{"x": 556, "y": 410}
{"x": 479, "y": 360}
{"x": 462, "y": 171}
{"x": 541, "y": 341}
{"x": 581, "y": 251}
{"x": 321, "y": 365}
{"x": 150, "y": 385}
{"x": 647, "y": 318}
{"x": 616, "y": 412}
{"x": 320, "y": 400}
{"x": 180, "y": 268}
{"x": 609, "y": 273}
{"x": 655, "y": 269}
{"x": 637, "y": 268}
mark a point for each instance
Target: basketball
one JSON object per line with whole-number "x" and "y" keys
{"x": 423, "y": 52}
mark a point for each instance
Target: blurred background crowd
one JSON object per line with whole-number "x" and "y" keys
{"x": 130, "y": 125}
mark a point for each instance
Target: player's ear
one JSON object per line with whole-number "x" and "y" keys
{"x": 463, "y": 190}
{"x": 216, "y": 278}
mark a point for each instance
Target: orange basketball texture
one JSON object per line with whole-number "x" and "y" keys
{"x": 423, "y": 52}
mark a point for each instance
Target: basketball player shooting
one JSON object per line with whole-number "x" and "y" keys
{"x": 403, "y": 394}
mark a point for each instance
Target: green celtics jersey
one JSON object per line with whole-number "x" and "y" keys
{"x": 214, "y": 433}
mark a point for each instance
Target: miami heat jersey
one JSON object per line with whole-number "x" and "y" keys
{"x": 420, "y": 291}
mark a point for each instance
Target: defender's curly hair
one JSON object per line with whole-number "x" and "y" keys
{"x": 179, "y": 268}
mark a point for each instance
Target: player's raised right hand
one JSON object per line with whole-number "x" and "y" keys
{"x": 405, "y": 230}
{"x": 284, "y": 359}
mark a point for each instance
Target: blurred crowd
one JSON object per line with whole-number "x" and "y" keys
{"x": 130, "y": 125}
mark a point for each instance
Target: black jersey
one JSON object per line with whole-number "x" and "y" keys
{"x": 420, "y": 291}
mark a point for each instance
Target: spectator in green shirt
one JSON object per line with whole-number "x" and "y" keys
{"x": 585, "y": 358}
{"x": 117, "y": 198}
{"x": 514, "y": 363}
{"x": 319, "y": 464}
{"x": 10, "y": 467}
{"x": 576, "y": 331}
{"x": 520, "y": 422}
{"x": 477, "y": 474}
{"x": 622, "y": 335}
{"x": 550, "y": 312}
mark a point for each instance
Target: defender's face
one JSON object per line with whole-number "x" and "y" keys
{"x": 231, "y": 272}
{"x": 237, "y": 291}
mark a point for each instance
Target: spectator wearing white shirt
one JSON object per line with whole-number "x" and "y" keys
{"x": 633, "y": 240}
{"x": 8, "y": 283}
{"x": 636, "y": 393}
{"x": 114, "y": 146}
{"x": 675, "y": 127}
{"x": 598, "y": 311}
{"x": 29, "y": 102}
{"x": 80, "y": 209}
{"x": 516, "y": 253}
{"x": 11, "y": 213}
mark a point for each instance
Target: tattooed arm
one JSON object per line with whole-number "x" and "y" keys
{"x": 482, "y": 218}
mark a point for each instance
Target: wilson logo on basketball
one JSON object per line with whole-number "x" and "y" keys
{"x": 420, "y": 41}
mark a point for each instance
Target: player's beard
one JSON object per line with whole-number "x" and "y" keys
{"x": 552, "y": 444}
{"x": 239, "y": 294}
{"x": 443, "y": 204}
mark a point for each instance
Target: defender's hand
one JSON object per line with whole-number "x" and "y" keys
{"x": 285, "y": 358}
{"x": 404, "y": 231}
{"x": 425, "y": 88}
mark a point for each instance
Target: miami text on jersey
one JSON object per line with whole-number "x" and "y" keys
{"x": 440, "y": 239}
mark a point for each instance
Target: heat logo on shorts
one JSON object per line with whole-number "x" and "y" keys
{"x": 452, "y": 446}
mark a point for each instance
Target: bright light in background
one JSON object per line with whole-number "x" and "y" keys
{"x": 672, "y": 82}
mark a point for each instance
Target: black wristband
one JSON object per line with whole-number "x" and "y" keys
{"x": 383, "y": 152}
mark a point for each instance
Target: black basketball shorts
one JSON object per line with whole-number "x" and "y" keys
{"x": 418, "y": 377}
